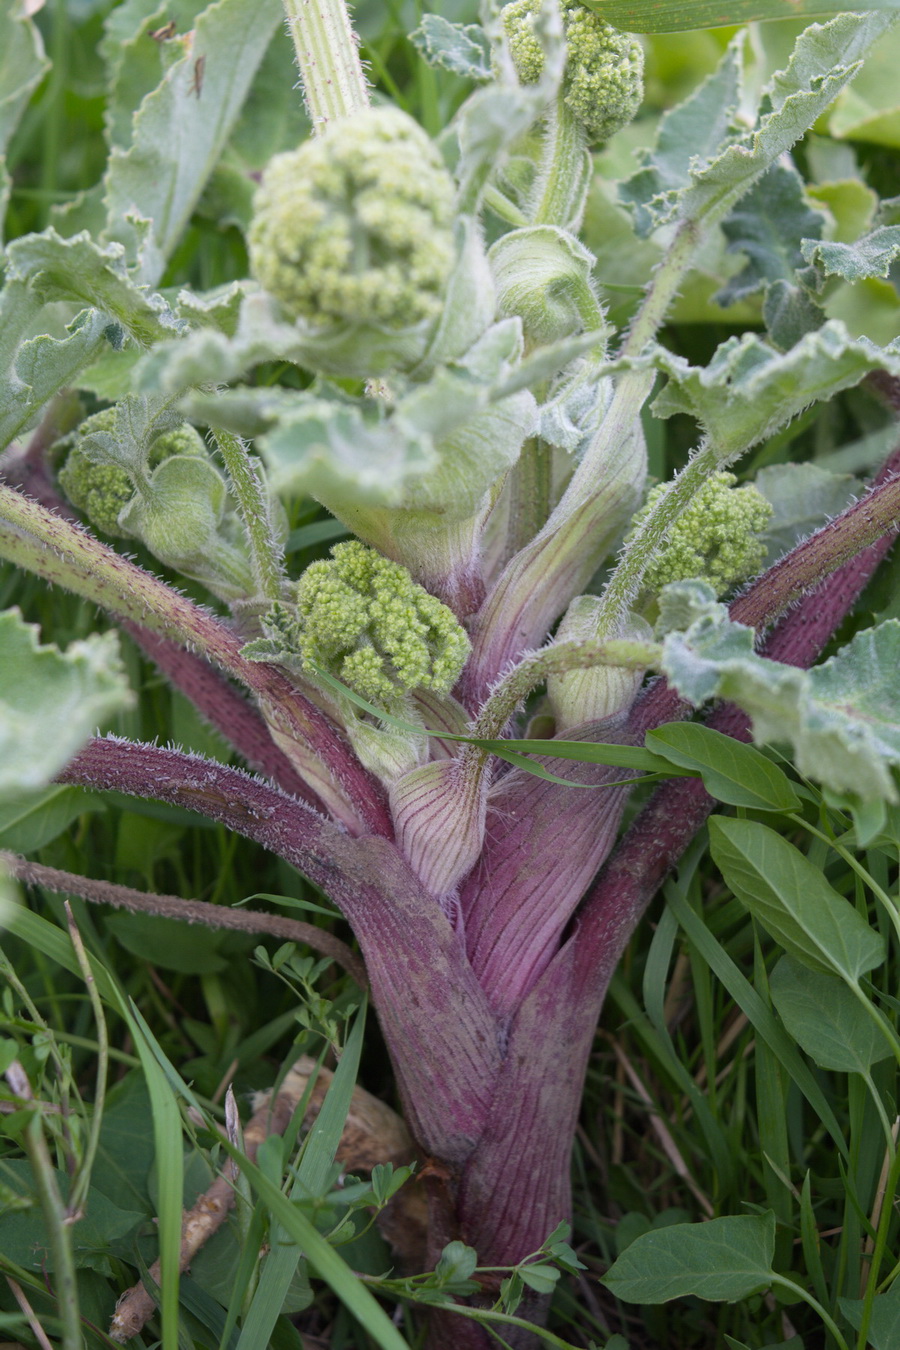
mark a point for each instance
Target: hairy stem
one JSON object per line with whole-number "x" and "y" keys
{"x": 564, "y": 171}
{"x": 68, "y": 555}
{"x": 542, "y": 578}
{"x": 268, "y": 571}
{"x": 185, "y": 911}
{"x": 328, "y": 59}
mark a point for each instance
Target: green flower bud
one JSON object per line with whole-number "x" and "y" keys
{"x": 543, "y": 274}
{"x": 603, "y": 83}
{"x": 364, "y": 620}
{"x": 716, "y": 538}
{"x": 353, "y": 235}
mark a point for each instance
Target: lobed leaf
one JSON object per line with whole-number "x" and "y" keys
{"x": 181, "y": 130}
{"x": 50, "y": 701}
{"x": 842, "y": 718}
{"x": 870, "y": 256}
{"x": 462, "y": 48}
{"x": 750, "y": 389}
{"x": 770, "y": 225}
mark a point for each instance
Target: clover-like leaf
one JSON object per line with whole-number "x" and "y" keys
{"x": 51, "y": 701}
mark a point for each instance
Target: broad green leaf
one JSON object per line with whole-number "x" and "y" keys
{"x": 726, "y": 159}
{"x": 23, "y": 1232}
{"x": 869, "y": 109}
{"x": 461, "y": 48}
{"x": 792, "y": 900}
{"x": 30, "y": 820}
{"x": 870, "y": 256}
{"x": 732, "y": 772}
{"x": 50, "y": 701}
{"x": 750, "y": 389}
{"x": 168, "y": 944}
{"x": 33, "y": 369}
{"x": 842, "y": 718}
{"x": 181, "y": 130}
{"x": 767, "y": 226}
{"x": 803, "y": 497}
{"x": 884, "y": 1328}
{"x": 672, "y": 16}
{"x": 80, "y": 270}
{"x": 724, "y": 1259}
{"x": 826, "y": 1019}
{"x": 22, "y": 66}
{"x": 136, "y": 61}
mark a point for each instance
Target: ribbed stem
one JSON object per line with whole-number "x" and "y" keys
{"x": 328, "y": 59}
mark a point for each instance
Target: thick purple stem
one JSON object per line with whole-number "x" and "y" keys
{"x": 226, "y": 709}
{"x": 441, "y": 1034}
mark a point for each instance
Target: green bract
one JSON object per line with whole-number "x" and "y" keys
{"x": 102, "y": 491}
{"x": 356, "y": 226}
{"x": 364, "y": 620}
{"x": 716, "y": 537}
{"x": 603, "y": 84}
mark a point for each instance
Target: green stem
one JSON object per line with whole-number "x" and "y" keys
{"x": 328, "y": 59}
{"x": 565, "y": 170}
{"x": 815, "y": 1305}
{"x": 625, "y": 583}
{"x": 254, "y": 506}
{"x": 529, "y": 488}
{"x": 558, "y": 659}
{"x": 881, "y": 1237}
{"x": 59, "y": 1232}
{"x": 82, "y": 1180}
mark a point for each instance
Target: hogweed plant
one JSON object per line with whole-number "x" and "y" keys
{"x": 448, "y": 718}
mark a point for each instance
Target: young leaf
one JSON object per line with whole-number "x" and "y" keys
{"x": 826, "y": 1019}
{"x": 462, "y": 48}
{"x": 841, "y": 718}
{"x": 724, "y": 1259}
{"x": 793, "y": 901}
{"x": 80, "y": 270}
{"x": 732, "y": 772}
{"x": 870, "y": 256}
{"x": 750, "y": 388}
{"x": 50, "y": 701}
{"x": 767, "y": 226}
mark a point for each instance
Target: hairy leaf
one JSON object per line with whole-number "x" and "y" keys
{"x": 724, "y": 160}
{"x": 462, "y": 48}
{"x": 750, "y": 389}
{"x": 50, "y": 701}
{"x": 80, "y": 270}
{"x": 181, "y": 129}
{"x": 767, "y": 226}
{"x": 870, "y": 256}
{"x": 803, "y": 497}
{"x": 842, "y": 718}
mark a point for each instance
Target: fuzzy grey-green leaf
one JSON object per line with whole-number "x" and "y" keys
{"x": 50, "y": 701}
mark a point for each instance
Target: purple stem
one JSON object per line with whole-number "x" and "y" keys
{"x": 220, "y": 704}
{"x": 676, "y": 811}
{"x": 434, "y": 1014}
